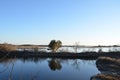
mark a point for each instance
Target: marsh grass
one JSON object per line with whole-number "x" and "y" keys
{"x": 105, "y": 77}
{"x": 111, "y": 60}
{"x": 5, "y": 47}
{"x": 109, "y": 68}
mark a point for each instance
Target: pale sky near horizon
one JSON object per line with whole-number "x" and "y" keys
{"x": 89, "y": 22}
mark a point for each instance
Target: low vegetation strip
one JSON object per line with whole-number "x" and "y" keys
{"x": 87, "y": 55}
{"x": 105, "y": 77}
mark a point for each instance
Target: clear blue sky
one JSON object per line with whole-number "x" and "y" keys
{"x": 89, "y": 22}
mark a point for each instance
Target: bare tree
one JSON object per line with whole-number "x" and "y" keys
{"x": 76, "y": 46}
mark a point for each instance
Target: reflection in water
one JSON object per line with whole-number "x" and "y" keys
{"x": 10, "y": 77}
{"x": 76, "y": 64}
{"x": 46, "y": 69}
{"x": 8, "y": 66}
{"x": 54, "y": 64}
{"x": 33, "y": 59}
{"x": 7, "y": 61}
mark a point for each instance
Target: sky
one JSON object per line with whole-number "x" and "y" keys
{"x": 89, "y": 22}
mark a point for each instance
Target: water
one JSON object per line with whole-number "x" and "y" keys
{"x": 85, "y": 49}
{"x": 79, "y": 49}
{"x": 47, "y": 69}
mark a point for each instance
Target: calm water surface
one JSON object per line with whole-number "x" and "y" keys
{"x": 47, "y": 69}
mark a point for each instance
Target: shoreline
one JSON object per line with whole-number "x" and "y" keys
{"x": 69, "y": 55}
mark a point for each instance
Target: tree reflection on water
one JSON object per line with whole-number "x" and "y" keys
{"x": 36, "y": 68}
{"x": 54, "y": 64}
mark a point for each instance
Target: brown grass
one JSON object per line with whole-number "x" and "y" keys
{"x": 7, "y": 47}
{"x": 110, "y": 59}
{"x": 105, "y": 77}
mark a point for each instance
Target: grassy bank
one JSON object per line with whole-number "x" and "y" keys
{"x": 109, "y": 68}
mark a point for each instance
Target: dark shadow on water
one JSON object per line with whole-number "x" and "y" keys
{"x": 40, "y": 66}
{"x": 54, "y": 64}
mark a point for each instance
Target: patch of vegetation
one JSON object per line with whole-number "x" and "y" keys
{"x": 55, "y": 45}
{"x": 109, "y": 68}
{"x": 105, "y": 77}
{"x": 5, "y": 47}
